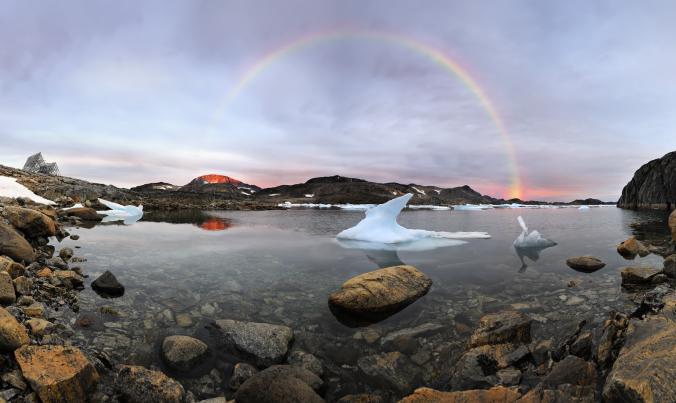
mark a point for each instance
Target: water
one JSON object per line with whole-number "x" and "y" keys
{"x": 280, "y": 266}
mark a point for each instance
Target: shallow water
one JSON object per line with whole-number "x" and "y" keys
{"x": 280, "y": 266}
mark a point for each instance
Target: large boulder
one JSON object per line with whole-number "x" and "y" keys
{"x": 137, "y": 384}
{"x": 31, "y": 222}
{"x": 280, "y": 384}
{"x": 107, "y": 285}
{"x": 496, "y": 394}
{"x": 265, "y": 343}
{"x": 7, "y": 293}
{"x": 672, "y": 224}
{"x": 13, "y": 245}
{"x": 84, "y": 213}
{"x": 585, "y": 264}
{"x": 12, "y": 333}
{"x": 632, "y": 276}
{"x": 381, "y": 290}
{"x": 631, "y": 247}
{"x": 182, "y": 352}
{"x": 58, "y": 374}
{"x": 391, "y": 370}
{"x": 653, "y": 185}
{"x": 502, "y": 327}
{"x": 571, "y": 370}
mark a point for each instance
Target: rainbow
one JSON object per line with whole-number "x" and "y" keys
{"x": 433, "y": 54}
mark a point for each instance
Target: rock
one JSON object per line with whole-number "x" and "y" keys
{"x": 585, "y": 264}
{"x": 670, "y": 265}
{"x": 12, "y": 333}
{"x": 183, "y": 320}
{"x": 306, "y": 361}
{"x": 108, "y": 285}
{"x": 638, "y": 275}
{"x": 611, "y": 339}
{"x": 75, "y": 237}
{"x": 572, "y": 370}
{"x": 31, "y": 222}
{"x": 672, "y": 224}
{"x": 381, "y": 290}
{"x": 361, "y": 398}
{"x": 646, "y": 366}
{"x": 57, "y": 374}
{"x": 57, "y": 263}
{"x": 652, "y": 185}
{"x": 70, "y": 278}
{"x": 34, "y": 310}
{"x": 25, "y": 300}
{"x": 138, "y": 384}
{"x": 477, "y": 368}
{"x": 14, "y": 246}
{"x": 280, "y": 384}
{"x": 502, "y": 327}
{"x": 84, "y": 213}
{"x": 66, "y": 254}
{"x": 540, "y": 351}
{"x": 39, "y": 327}
{"x": 7, "y": 294}
{"x": 582, "y": 346}
{"x": 426, "y": 329}
{"x": 13, "y": 268}
{"x": 240, "y": 374}
{"x": 496, "y": 394}
{"x": 632, "y": 247}
{"x": 391, "y": 370}
{"x": 23, "y": 285}
{"x": 561, "y": 393}
{"x": 45, "y": 272}
{"x": 267, "y": 344}
{"x": 15, "y": 379}
{"x": 182, "y": 352}
{"x": 509, "y": 376}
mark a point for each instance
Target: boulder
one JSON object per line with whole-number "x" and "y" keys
{"x": 31, "y": 222}
{"x": 12, "y": 333}
{"x": 571, "y": 370}
{"x": 23, "y": 285}
{"x": 391, "y": 370}
{"x": 631, "y": 247}
{"x": 39, "y": 327}
{"x": 107, "y": 285}
{"x": 240, "y": 374}
{"x": 7, "y": 294}
{"x": 561, "y": 394}
{"x": 84, "y": 213}
{"x": 670, "y": 266}
{"x": 182, "y": 352}
{"x": 585, "y": 264}
{"x": 496, "y": 394}
{"x": 13, "y": 245}
{"x": 381, "y": 290}
{"x": 638, "y": 275}
{"x": 57, "y": 374}
{"x": 138, "y": 384}
{"x": 267, "y": 344}
{"x": 477, "y": 368}
{"x": 502, "y": 327}
{"x": 280, "y": 384}
{"x": 34, "y": 310}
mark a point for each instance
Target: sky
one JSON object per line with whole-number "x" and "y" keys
{"x": 129, "y": 92}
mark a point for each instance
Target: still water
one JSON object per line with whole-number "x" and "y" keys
{"x": 182, "y": 270}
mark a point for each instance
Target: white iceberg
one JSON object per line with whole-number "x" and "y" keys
{"x": 128, "y": 214}
{"x": 380, "y": 226}
{"x": 583, "y": 208}
{"x": 531, "y": 240}
{"x": 9, "y": 187}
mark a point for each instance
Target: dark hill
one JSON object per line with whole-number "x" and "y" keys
{"x": 653, "y": 185}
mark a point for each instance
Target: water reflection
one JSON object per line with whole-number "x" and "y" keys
{"x": 532, "y": 253}
{"x": 198, "y": 218}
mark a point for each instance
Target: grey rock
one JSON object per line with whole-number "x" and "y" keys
{"x": 240, "y": 374}
{"x": 509, "y": 376}
{"x": 280, "y": 384}
{"x": 267, "y": 344}
{"x": 108, "y": 285}
{"x": 571, "y": 370}
{"x": 23, "y": 285}
{"x": 66, "y": 254}
{"x": 141, "y": 385}
{"x": 182, "y": 352}
{"x": 638, "y": 275}
{"x": 391, "y": 370}
{"x": 306, "y": 361}
{"x": 502, "y": 327}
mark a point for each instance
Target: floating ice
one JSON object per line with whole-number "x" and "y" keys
{"x": 380, "y": 226}
{"x": 10, "y": 188}
{"x": 532, "y": 240}
{"x": 473, "y": 207}
{"x": 127, "y": 214}
{"x": 583, "y": 208}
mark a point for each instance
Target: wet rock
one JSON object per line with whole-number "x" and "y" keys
{"x": 75, "y": 237}
{"x": 24, "y": 300}
{"x": 12, "y": 333}
{"x": 23, "y": 285}
{"x": 138, "y": 384}
{"x": 182, "y": 352}
{"x": 306, "y": 361}
{"x": 426, "y": 329}
{"x": 70, "y": 278}
{"x": 611, "y": 339}
{"x": 84, "y": 213}
{"x": 582, "y": 346}
{"x": 509, "y": 376}
{"x": 646, "y": 366}
{"x": 540, "y": 351}
{"x": 381, "y": 290}
{"x": 477, "y": 368}
{"x": 585, "y": 264}
{"x": 10, "y": 266}
{"x": 632, "y": 276}
{"x": 496, "y": 394}
{"x": 15, "y": 379}
{"x": 108, "y": 285}
{"x": 45, "y": 272}
{"x": 57, "y": 374}
{"x": 572, "y": 370}
{"x": 7, "y": 294}
{"x": 66, "y": 254}
{"x": 672, "y": 225}
{"x": 39, "y": 327}
{"x": 184, "y": 320}
{"x": 631, "y": 247}
{"x": 280, "y": 384}
{"x": 14, "y": 246}
{"x": 502, "y": 327}
{"x": 391, "y": 370}
{"x": 34, "y": 310}
{"x": 57, "y": 263}
{"x": 31, "y": 222}
{"x": 267, "y": 344}
{"x": 670, "y": 266}
{"x": 240, "y": 374}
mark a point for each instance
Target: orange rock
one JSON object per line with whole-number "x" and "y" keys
{"x": 496, "y": 394}
{"x": 12, "y": 333}
{"x": 139, "y": 384}
{"x": 44, "y": 272}
{"x": 58, "y": 374}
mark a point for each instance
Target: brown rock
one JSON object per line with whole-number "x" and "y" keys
{"x": 381, "y": 290}
{"x": 84, "y": 213}
{"x": 44, "y": 272}
{"x": 39, "y": 327}
{"x": 632, "y": 247}
{"x": 12, "y": 333}
{"x": 561, "y": 394}
{"x": 496, "y": 394}
{"x": 361, "y": 398}
{"x": 502, "y": 327}
{"x": 638, "y": 275}
{"x": 392, "y": 370}
{"x": 31, "y": 222}
{"x": 585, "y": 264}
{"x": 23, "y": 285}
{"x": 7, "y": 294}
{"x": 182, "y": 352}
{"x": 69, "y": 277}
{"x": 34, "y": 310}
{"x": 10, "y": 266}
{"x": 670, "y": 266}
{"x": 137, "y": 384}
{"x": 571, "y": 370}
{"x": 672, "y": 225}
{"x": 58, "y": 374}
{"x": 13, "y": 245}
{"x": 280, "y": 384}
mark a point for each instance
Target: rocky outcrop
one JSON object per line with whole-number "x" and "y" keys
{"x": 280, "y": 384}
{"x": 496, "y": 394}
{"x": 653, "y": 185}
{"x": 585, "y": 264}
{"x": 632, "y": 276}
{"x": 381, "y": 290}
{"x": 265, "y": 343}
{"x": 137, "y": 384}
{"x": 57, "y": 374}
{"x": 182, "y": 353}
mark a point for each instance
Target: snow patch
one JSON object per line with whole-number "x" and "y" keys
{"x": 273, "y": 194}
{"x": 422, "y": 192}
{"x": 10, "y": 188}
{"x": 310, "y": 195}
{"x": 438, "y": 191}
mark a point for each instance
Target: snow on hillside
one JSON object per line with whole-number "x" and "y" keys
{"x": 10, "y": 188}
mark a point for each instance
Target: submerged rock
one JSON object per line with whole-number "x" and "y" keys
{"x": 12, "y": 333}
{"x": 638, "y": 275}
{"x": 66, "y": 254}
{"x": 57, "y": 374}
{"x": 381, "y": 290}
{"x": 391, "y": 370}
{"x": 496, "y": 394}
{"x": 306, "y": 361}
{"x": 585, "y": 264}
{"x": 107, "y": 285}
{"x": 13, "y": 245}
{"x": 280, "y": 384}
{"x": 267, "y": 344}
{"x": 138, "y": 384}
{"x": 240, "y": 374}
{"x": 182, "y": 352}
{"x": 502, "y": 327}
{"x": 670, "y": 266}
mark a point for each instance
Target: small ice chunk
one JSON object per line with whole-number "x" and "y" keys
{"x": 128, "y": 214}
{"x": 530, "y": 240}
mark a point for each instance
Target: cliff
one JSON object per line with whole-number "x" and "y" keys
{"x": 653, "y": 186}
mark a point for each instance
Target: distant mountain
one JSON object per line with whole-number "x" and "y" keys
{"x": 213, "y": 183}
{"x": 339, "y": 189}
{"x": 155, "y": 186}
{"x": 653, "y": 185}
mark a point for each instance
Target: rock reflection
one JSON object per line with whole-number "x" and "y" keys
{"x": 198, "y": 218}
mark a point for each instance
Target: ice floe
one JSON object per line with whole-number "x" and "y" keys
{"x": 9, "y": 187}
{"x": 127, "y": 214}
{"x": 532, "y": 239}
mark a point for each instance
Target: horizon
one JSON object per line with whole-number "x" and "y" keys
{"x": 544, "y": 101}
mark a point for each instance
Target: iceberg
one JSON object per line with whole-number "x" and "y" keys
{"x": 380, "y": 226}
{"x": 532, "y": 240}
{"x": 128, "y": 214}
